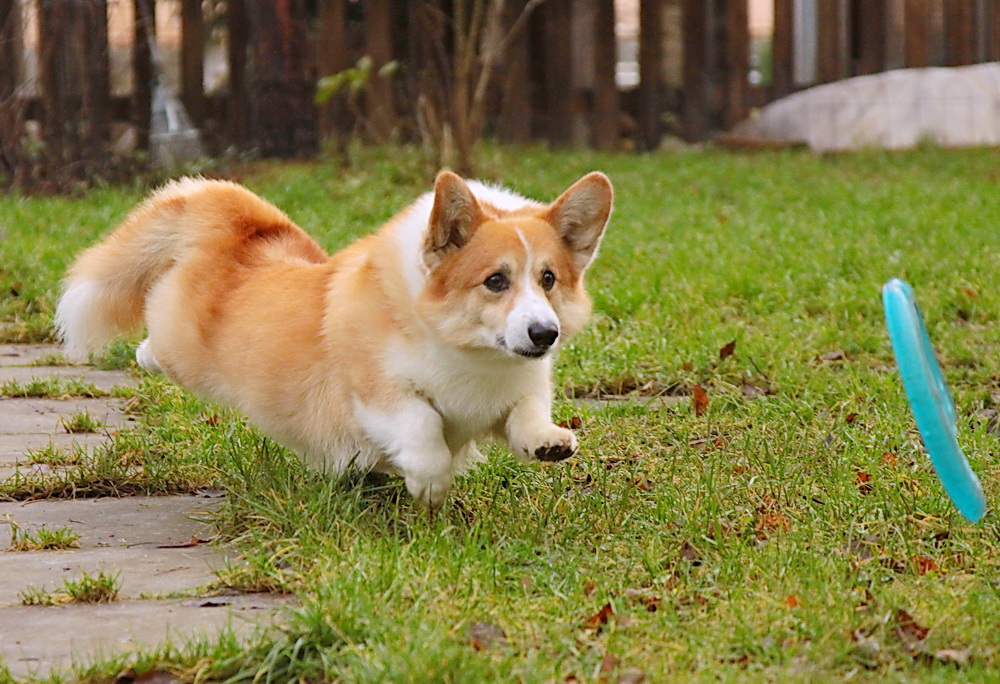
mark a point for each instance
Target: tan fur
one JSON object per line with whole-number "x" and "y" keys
{"x": 244, "y": 308}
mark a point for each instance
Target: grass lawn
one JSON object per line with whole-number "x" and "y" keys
{"x": 790, "y": 530}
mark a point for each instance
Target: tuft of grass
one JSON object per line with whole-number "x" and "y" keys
{"x": 81, "y": 422}
{"x": 50, "y": 388}
{"x": 53, "y": 456}
{"x": 42, "y": 539}
{"x": 55, "y": 359}
{"x": 100, "y": 588}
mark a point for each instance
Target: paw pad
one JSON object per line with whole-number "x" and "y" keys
{"x": 556, "y": 452}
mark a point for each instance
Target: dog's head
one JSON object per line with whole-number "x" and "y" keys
{"x": 510, "y": 279}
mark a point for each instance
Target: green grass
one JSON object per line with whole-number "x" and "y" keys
{"x": 81, "y": 421}
{"x": 42, "y": 539}
{"x": 774, "y": 535}
{"x": 100, "y": 588}
{"x": 51, "y": 388}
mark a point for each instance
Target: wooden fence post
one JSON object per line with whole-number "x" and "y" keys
{"x": 52, "y": 81}
{"x": 237, "y": 109}
{"x": 781, "y": 48}
{"x": 333, "y": 58}
{"x": 96, "y": 82}
{"x": 736, "y": 62}
{"x": 695, "y": 102}
{"x": 604, "y": 123}
{"x": 831, "y": 43}
{"x": 11, "y": 108}
{"x": 142, "y": 68}
{"x": 871, "y": 27}
{"x": 380, "y": 105}
{"x": 193, "y": 60}
{"x": 651, "y": 79}
{"x": 516, "y": 107}
{"x": 959, "y": 32}
{"x": 993, "y": 23}
{"x": 557, "y": 53}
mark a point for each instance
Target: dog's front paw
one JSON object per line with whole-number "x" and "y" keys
{"x": 429, "y": 492}
{"x": 552, "y": 444}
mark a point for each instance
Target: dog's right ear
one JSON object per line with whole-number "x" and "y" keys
{"x": 453, "y": 218}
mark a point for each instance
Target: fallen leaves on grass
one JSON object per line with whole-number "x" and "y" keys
{"x": 699, "y": 399}
{"x": 923, "y": 565}
{"x": 792, "y": 601}
{"x": 864, "y": 482}
{"x": 727, "y": 350}
{"x": 690, "y": 553}
{"x": 851, "y": 417}
{"x": 771, "y": 522}
{"x": 600, "y": 618}
{"x": 573, "y": 423}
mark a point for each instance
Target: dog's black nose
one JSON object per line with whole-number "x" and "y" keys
{"x": 542, "y": 334}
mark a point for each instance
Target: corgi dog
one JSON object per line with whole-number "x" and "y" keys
{"x": 395, "y": 354}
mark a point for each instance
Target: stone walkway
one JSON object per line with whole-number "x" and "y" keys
{"x": 159, "y": 545}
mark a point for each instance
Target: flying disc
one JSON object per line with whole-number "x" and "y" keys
{"x": 933, "y": 408}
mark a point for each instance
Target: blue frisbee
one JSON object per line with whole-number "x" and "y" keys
{"x": 933, "y": 408}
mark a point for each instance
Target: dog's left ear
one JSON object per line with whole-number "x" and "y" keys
{"x": 580, "y": 215}
{"x": 455, "y": 215}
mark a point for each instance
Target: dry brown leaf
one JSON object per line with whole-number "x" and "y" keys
{"x": 600, "y": 618}
{"x": 727, "y": 350}
{"x": 851, "y": 417}
{"x": 924, "y": 565}
{"x": 890, "y": 459}
{"x": 608, "y": 664}
{"x": 909, "y": 630}
{"x": 863, "y": 481}
{"x": 690, "y": 553}
{"x": 699, "y": 398}
{"x": 792, "y": 601}
{"x": 774, "y": 521}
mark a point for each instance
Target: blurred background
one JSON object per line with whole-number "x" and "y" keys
{"x": 95, "y": 87}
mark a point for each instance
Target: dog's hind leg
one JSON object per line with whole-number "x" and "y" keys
{"x": 144, "y": 357}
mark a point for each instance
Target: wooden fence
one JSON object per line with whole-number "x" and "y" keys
{"x": 556, "y": 82}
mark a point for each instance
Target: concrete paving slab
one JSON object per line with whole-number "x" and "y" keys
{"x": 13, "y": 447}
{"x": 24, "y": 354}
{"x": 105, "y": 380}
{"x": 38, "y": 640}
{"x": 127, "y": 522}
{"x": 42, "y": 416}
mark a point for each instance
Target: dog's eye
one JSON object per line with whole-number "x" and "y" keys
{"x": 497, "y": 282}
{"x": 548, "y": 280}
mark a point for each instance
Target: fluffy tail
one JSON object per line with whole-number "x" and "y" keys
{"x": 106, "y": 287}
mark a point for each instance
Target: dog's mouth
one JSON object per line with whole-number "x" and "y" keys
{"x": 527, "y": 353}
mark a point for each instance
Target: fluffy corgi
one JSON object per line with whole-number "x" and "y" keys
{"x": 395, "y": 354}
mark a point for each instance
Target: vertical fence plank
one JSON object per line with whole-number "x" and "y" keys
{"x": 830, "y": 31}
{"x": 142, "y": 68}
{"x": 379, "y": 103}
{"x": 737, "y": 62}
{"x": 193, "y": 59}
{"x": 51, "y": 24}
{"x": 993, "y": 22}
{"x": 694, "y": 112}
{"x": 237, "y": 110}
{"x": 781, "y": 48}
{"x": 917, "y": 27}
{"x": 604, "y": 126}
{"x": 871, "y": 26}
{"x": 11, "y": 108}
{"x": 959, "y": 32}
{"x": 516, "y": 108}
{"x": 334, "y": 56}
{"x": 651, "y": 77}
{"x": 96, "y": 82}
{"x": 556, "y": 16}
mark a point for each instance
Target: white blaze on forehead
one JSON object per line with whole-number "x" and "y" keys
{"x": 531, "y": 306}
